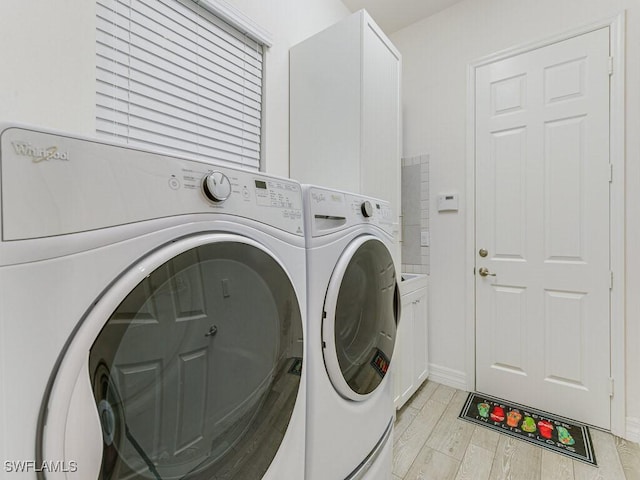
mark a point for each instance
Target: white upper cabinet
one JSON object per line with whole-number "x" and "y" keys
{"x": 345, "y": 110}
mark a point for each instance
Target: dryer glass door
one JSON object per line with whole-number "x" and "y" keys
{"x": 362, "y": 309}
{"x": 196, "y": 371}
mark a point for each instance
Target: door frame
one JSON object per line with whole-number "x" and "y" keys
{"x": 616, "y": 25}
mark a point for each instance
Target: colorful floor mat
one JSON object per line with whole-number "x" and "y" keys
{"x": 561, "y": 435}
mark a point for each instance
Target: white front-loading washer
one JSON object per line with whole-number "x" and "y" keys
{"x": 152, "y": 320}
{"x": 353, "y": 310}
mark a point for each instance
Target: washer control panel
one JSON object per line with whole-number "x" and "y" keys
{"x": 54, "y": 185}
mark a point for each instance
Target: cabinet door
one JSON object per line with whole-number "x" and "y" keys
{"x": 325, "y": 85}
{"x": 412, "y": 367}
{"x": 403, "y": 373}
{"x": 397, "y": 368}
{"x": 421, "y": 357}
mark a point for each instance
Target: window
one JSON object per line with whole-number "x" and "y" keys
{"x": 173, "y": 76}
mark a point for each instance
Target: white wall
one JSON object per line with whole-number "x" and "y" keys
{"x": 436, "y": 53}
{"x": 48, "y": 63}
{"x": 47, "y": 59}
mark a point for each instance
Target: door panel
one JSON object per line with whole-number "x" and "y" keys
{"x": 191, "y": 402}
{"x": 509, "y": 179}
{"x": 542, "y": 212}
{"x": 565, "y": 189}
{"x": 509, "y": 329}
{"x": 564, "y": 318}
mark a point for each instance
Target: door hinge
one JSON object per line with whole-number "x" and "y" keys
{"x": 610, "y": 279}
{"x": 610, "y": 172}
{"x": 610, "y": 65}
{"x": 611, "y": 386}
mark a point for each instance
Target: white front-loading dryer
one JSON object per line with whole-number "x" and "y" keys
{"x": 353, "y": 310}
{"x": 152, "y": 321}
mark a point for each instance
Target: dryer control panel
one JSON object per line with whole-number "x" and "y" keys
{"x": 54, "y": 184}
{"x": 332, "y": 210}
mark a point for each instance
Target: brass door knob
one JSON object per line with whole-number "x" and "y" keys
{"x": 484, "y": 272}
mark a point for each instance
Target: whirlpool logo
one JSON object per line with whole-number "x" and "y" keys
{"x": 39, "y": 154}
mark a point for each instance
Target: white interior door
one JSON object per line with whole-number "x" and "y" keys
{"x": 542, "y": 215}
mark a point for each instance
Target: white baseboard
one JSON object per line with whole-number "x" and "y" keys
{"x": 633, "y": 429}
{"x": 448, "y": 376}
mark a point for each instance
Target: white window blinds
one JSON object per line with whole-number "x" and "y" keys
{"x": 173, "y": 76}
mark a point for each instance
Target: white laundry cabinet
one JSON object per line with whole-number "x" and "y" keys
{"x": 345, "y": 110}
{"x": 411, "y": 357}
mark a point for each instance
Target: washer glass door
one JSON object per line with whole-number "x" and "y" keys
{"x": 361, "y": 313}
{"x": 196, "y": 372}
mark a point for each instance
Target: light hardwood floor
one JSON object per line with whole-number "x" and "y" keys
{"x": 432, "y": 443}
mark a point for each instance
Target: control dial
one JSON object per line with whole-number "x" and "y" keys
{"x": 366, "y": 208}
{"x": 217, "y": 186}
